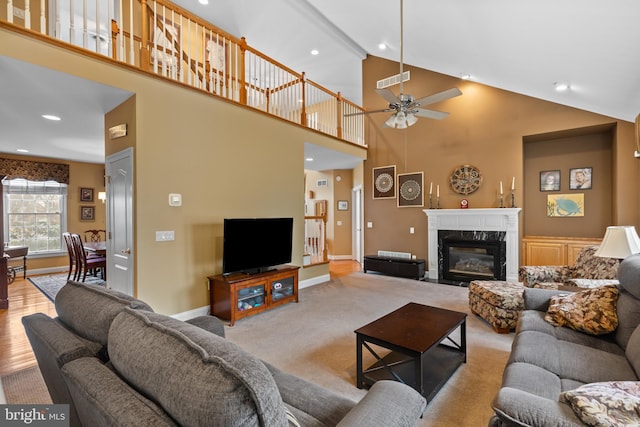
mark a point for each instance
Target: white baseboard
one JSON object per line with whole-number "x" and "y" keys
{"x": 191, "y": 314}
{"x": 47, "y": 270}
{"x": 340, "y": 257}
{"x": 314, "y": 281}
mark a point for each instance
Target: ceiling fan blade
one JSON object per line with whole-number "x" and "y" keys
{"x": 386, "y": 110}
{"x": 388, "y": 96}
{"x": 437, "y": 97}
{"x": 431, "y": 114}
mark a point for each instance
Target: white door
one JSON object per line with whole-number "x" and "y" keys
{"x": 119, "y": 170}
{"x": 356, "y": 202}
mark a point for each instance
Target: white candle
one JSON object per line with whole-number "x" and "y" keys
{"x": 431, "y": 188}
{"x": 513, "y": 183}
{"x": 438, "y": 191}
{"x": 501, "y": 188}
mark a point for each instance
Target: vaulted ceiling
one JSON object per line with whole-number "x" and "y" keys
{"x": 524, "y": 46}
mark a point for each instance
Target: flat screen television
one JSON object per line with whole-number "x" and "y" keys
{"x": 254, "y": 245}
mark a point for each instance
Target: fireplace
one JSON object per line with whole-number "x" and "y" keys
{"x": 465, "y": 256}
{"x": 496, "y": 228}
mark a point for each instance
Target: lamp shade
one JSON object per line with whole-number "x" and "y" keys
{"x": 619, "y": 242}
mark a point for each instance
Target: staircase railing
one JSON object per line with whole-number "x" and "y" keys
{"x": 160, "y": 37}
{"x": 315, "y": 239}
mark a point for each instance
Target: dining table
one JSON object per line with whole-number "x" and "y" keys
{"x": 99, "y": 248}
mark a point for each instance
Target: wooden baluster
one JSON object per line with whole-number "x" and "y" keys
{"x": 145, "y": 62}
{"x": 303, "y": 110}
{"x": 339, "y": 114}
{"x": 114, "y": 39}
{"x": 240, "y": 71}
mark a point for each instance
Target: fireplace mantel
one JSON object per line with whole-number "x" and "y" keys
{"x": 489, "y": 219}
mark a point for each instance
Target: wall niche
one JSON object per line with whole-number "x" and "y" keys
{"x": 562, "y": 151}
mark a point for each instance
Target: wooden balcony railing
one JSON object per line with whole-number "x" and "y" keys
{"x": 160, "y": 37}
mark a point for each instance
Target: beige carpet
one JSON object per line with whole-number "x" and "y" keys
{"x": 25, "y": 387}
{"x": 314, "y": 339}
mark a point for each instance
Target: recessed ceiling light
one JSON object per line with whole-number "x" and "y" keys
{"x": 561, "y": 87}
{"x": 309, "y": 159}
{"x": 22, "y": 150}
{"x": 315, "y": 52}
{"x": 382, "y": 46}
{"x": 205, "y": 2}
{"x": 465, "y": 76}
{"x": 51, "y": 117}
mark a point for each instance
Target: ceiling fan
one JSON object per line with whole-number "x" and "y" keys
{"x": 405, "y": 107}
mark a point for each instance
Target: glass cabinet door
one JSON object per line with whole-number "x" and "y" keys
{"x": 281, "y": 288}
{"x": 251, "y": 297}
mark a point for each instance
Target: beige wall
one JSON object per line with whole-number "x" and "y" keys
{"x": 486, "y": 128}
{"x": 89, "y": 175}
{"x": 225, "y": 160}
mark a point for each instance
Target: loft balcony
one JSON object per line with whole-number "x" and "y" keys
{"x": 159, "y": 37}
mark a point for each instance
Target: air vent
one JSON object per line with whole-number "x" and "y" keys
{"x": 404, "y": 255}
{"x": 393, "y": 80}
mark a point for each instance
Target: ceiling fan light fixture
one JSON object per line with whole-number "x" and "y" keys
{"x": 411, "y": 120}
{"x": 391, "y": 121}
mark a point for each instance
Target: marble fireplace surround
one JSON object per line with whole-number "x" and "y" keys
{"x": 489, "y": 219}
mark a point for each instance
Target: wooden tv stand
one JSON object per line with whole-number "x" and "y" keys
{"x": 240, "y": 295}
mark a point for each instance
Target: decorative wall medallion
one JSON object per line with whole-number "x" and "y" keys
{"x": 411, "y": 189}
{"x": 465, "y": 179}
{"x": 384, "y": 182}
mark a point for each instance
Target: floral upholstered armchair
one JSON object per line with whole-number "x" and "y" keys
{"x": 589, "y": 271}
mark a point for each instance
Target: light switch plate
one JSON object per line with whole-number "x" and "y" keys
{"x": 165, "y": 236}
{"x": 175, "y": 199}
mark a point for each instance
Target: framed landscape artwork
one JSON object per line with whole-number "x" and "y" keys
{"x": 411, "y": 189}
{"x": 384, "y": 182}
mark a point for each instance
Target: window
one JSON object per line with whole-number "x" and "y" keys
{"x": 35, "y": 214}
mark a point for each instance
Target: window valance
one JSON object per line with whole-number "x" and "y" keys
{"x": 34, "y": 171}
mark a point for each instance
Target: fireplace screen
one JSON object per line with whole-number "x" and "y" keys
{"x": 470, "y": 260}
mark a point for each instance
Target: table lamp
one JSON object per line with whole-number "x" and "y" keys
{"x": 619, "y": 241}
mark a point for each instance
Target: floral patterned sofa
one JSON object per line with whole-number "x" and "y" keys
{"x": 588, "y": 271}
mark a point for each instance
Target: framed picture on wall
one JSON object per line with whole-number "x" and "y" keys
{"x": 550, "y": 180}
{"x": 565, "y": 205}
{"x": 87, "y": 213}
{"x": 411, "y": 189}
{"x": 86, "y": 194}
{"x": 343, "y": 205}
{"x": 384, "y": 182}
{"x": 580, "y": 178}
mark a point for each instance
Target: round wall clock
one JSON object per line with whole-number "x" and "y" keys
{"x": 465, "y": 179}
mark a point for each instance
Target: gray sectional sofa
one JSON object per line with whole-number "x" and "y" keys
{"x": 546, "y": 361}
{"x": 117, "y": 363}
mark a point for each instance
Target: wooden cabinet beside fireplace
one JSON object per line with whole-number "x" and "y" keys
{"x": 240, "y": 295}
{"x": 543, "y": 250}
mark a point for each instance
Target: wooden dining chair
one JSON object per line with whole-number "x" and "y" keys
{"x": 88, "y": 264}
{"x": 74, "y": 266}
{"x": 94, "y": 235}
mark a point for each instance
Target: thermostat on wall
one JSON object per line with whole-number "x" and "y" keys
{"x": 175, "y": 199}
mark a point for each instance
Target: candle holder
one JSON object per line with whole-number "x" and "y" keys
{"x": 438, "y": 202}
{"x": 501, "y": 201}
{"x": 430, "y": 202}
{"x": 513, "y": 198}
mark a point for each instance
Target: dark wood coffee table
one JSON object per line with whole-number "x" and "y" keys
{"x": 415, "y": 334}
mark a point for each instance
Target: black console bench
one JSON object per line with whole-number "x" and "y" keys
{"x": 393, "y": 266}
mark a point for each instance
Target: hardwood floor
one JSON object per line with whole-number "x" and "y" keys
{"x": 24, "y": 299}
{"x": 15, "y": 349}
